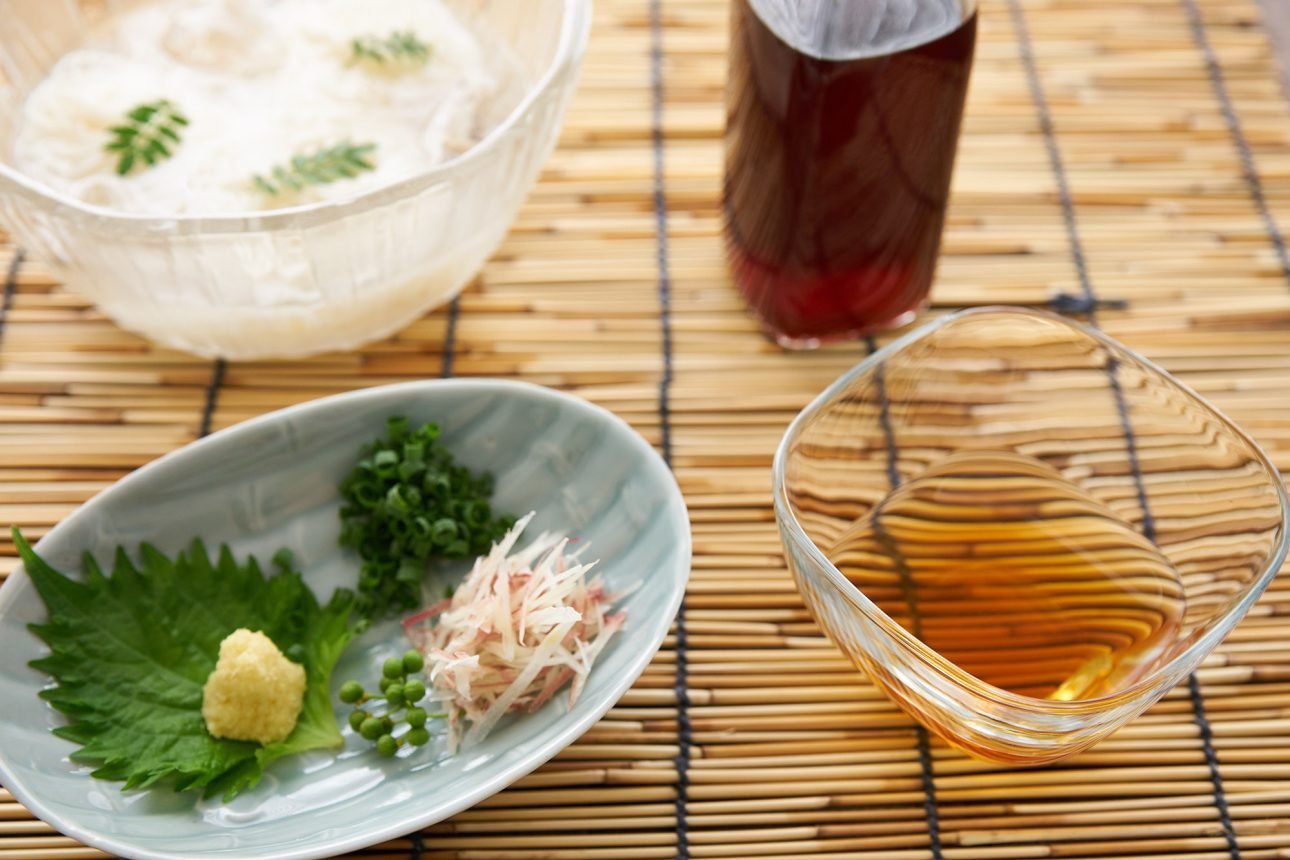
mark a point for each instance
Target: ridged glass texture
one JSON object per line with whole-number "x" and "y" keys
{"x": 314, "y": 278}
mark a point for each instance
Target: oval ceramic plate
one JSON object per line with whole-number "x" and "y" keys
{"x": 271, "y": 482}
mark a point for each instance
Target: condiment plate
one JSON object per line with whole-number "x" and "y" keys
{"x": 271, "y": 482}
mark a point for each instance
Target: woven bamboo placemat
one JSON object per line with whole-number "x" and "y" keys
{"x": 1129, "y": 158}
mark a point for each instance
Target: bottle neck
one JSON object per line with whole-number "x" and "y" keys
{"x": 852, "y": 29}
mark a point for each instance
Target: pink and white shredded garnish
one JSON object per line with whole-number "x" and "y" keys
{"x": 520, "y": 627}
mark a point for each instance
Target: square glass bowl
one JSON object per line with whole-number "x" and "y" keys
{"x": 322, "y": 276}
{"x": 1022, "y": 531}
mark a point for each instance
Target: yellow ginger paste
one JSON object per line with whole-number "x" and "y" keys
{"x": 255, "y": 692}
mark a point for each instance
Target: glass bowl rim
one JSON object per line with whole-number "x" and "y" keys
{"x": 575, "y": 28}
{"x": 1190, "y": 656}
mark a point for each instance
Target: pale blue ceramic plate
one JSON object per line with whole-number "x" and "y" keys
{"x": 271, "y": 482}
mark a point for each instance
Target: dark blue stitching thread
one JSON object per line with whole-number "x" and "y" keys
{"x": 1086, "y": 286}
{"x": 1211, "y": 759}
{"x": 684, "y": 735}
{"x": 1064, "y": 198}
{"x": 926, "y": 771}
{"x": 884, "y": 417}
{"x": 1065, "y": 303}
{"x": 1255, "y": 186}
{"x": 212, "y": 397}
{"x": 1243, "y": 151}
{"x": 446, "y": 370}
{"x": 1087, "y": 303}
{"x": 10, "y": 286}
{"x": 1131, "y": 446}
{"x": 450, "y": 338}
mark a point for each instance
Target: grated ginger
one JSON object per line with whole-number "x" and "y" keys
{"x": 255, "y": 692}
{"x": 521, "y": 626}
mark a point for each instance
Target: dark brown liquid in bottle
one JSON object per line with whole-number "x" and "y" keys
{"x": 837, "y": 176}
{"x": 1018, "y": 577}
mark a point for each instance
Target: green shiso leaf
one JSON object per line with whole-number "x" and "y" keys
{"x": 131, "y": 649}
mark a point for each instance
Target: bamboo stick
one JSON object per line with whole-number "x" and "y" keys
{"x": 71, "y": 852}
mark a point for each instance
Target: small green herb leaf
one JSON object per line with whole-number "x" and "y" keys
{"x": 401, "y": 46}
{"x": 132, "y": 649}
{"x": 144, "y": 136}
{"x": 342, "y": 161}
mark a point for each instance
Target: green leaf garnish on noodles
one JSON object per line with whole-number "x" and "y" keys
{"x": 342, "y": 161}
{"x": 401, "y": 46}
{"x": 132, "y": 649}
{"x": 149, "y": 134}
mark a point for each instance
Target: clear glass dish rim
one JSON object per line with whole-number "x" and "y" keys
{"x": 1178, "y": 665}
{"x": 574, "y": 31}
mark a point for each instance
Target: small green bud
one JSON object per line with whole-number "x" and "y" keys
{"x": 393, "y": 667}
{"x": 394, "y": 695}
{"x": 356, "y": 719}
{"x": 413, "y": 691}
{"x": 416, "y": 717}
{"x": 413, "y": 661}
{"x": 386, "y": 745}
{"x": 351, "y": 692}
{"x": 387, "y": 724}
{"x": 385, "y": 683}
{"x": 418, "y": 737}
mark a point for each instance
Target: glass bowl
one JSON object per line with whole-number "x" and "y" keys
{"x": 317, "y": 277}
{"x": 1022, "y": 531}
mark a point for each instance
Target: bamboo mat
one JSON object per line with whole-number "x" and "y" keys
{"x": 1132, "y": 154}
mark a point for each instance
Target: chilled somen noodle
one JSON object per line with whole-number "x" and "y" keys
{"x": 259, "y": 83}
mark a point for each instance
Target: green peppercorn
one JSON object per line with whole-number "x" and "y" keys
{"x": 413, "y": 661}
{"x": 402, "y": 688}
{"x": 372, "y": 728}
